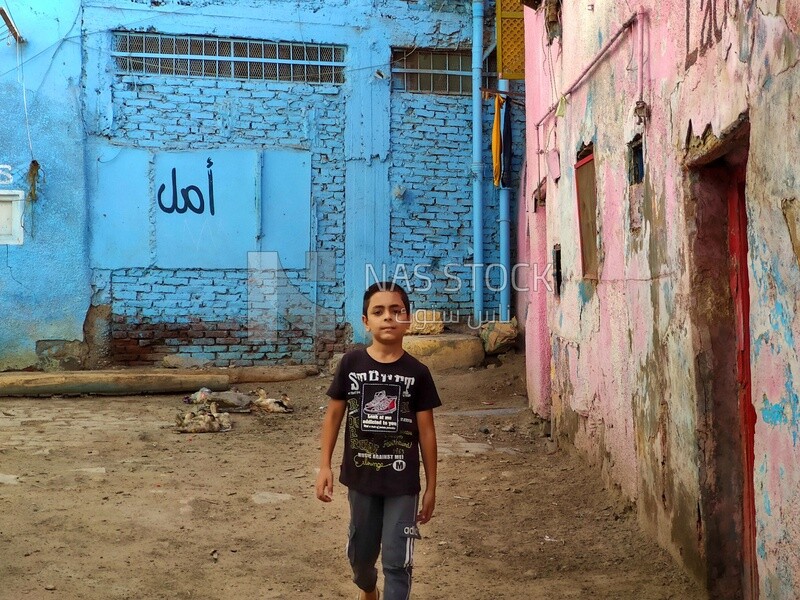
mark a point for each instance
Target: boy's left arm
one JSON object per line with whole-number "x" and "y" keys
{"x": 427, "y": 443}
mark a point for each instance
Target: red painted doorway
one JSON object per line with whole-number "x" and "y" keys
{"x": 740, "y": 293}
{"x": 725, "y": 413}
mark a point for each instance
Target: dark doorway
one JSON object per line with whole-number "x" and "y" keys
{"x": 726, "y": 416}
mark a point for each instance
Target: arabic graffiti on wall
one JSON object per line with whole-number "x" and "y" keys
{"x": 204, "y": 207}
{"x": 186, "y": 202}
{"x": 705, "y": 22}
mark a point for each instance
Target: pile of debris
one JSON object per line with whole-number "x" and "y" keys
{"x": 213, "y": 408}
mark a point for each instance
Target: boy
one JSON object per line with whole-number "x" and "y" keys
{"x": 389, "y": 398}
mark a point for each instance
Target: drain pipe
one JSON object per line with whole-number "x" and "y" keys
{"x": 505, "y": 229}
{"x": 640, "y": 52}
{"x": 597, "y": 57}
{"x": 477, "y": 161}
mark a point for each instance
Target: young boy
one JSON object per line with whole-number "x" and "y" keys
{"x": 388, "y": 397}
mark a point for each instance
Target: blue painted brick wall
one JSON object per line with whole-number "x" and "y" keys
{"x": 197, "y": 312}
{"x": 215, "y": 316}
{"x": 205, "y": 313}
{"x": 431, "y": 173}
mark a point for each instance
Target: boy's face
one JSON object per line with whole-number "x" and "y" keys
{"x": 387, "y": 319}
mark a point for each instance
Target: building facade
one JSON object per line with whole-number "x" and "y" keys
{"x": 222, "y": 178}
{"x": 661, "y": 189}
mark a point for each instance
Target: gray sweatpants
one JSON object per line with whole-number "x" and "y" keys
{"x": 386, "y": 525}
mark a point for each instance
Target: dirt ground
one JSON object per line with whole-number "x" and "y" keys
{"x": 100, "y": 499}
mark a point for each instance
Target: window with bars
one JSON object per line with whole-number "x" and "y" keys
{"x": 227, "y": 58}
{"x": 438, "y": 71}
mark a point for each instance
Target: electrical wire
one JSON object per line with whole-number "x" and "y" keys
{"x": 547, "y": 51}
{"x": 21, "y": 81}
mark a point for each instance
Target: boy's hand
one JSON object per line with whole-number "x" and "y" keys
{"x": 428, "y": 504}
{"x": 325, "y": 484}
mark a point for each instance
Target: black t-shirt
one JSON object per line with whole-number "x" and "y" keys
{"x": 381, "y": 441}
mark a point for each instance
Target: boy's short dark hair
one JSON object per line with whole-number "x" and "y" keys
{"x": 385, "y": 286}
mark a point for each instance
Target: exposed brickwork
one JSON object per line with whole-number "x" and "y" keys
{"x": 220, "y": 316}
{"x": 211, "y": 314}
{"x": 431, "y": 221}
{"x": 158, "y": 312}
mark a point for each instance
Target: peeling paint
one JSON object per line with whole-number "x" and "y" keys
{"x": 761, "y": 549}
{"x": 773, "y": 414}
{"x": 670, "y": 354}
{"x": 586, "y": 289}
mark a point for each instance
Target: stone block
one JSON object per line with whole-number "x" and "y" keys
{"x": 426, "y": 322}
{"x": 446, "y": 351}
{"x": 333, "y": 363}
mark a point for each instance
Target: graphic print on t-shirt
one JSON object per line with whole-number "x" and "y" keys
{"x": 380, "y": 407}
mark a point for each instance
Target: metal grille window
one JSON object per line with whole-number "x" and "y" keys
{"x": 227, "y": 58}
{"x": 437, "y": 71}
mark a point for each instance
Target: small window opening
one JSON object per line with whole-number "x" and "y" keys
{"x": 137, "y": 53}
{"x": 557, "y": 270}
{"x": 586, "y": 188}
{"x": 429, "y": 71}
{"x": 586, "y": 150}
{"x": 635, "y": 160}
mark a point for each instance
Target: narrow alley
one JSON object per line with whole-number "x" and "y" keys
{"x": 99, "y": 498}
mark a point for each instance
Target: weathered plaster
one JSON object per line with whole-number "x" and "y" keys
{"x": 41, "y": 121}
{"x": 636, "y": 355}
{"x": 106, "y": 141}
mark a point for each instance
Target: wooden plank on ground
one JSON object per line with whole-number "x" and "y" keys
{"x": 120, "y": 382}
{"x": 123, "y": 382}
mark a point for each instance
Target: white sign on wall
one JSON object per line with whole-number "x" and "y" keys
{"x": 11, "y": 231}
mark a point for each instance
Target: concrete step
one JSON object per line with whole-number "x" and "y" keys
{"x": 140, "y": 381}
{"x": 445, "y": 351}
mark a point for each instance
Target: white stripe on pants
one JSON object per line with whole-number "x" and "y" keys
{"x": 385, "y": 525}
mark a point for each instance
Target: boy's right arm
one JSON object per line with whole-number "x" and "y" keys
{"x": 330, "y": 433}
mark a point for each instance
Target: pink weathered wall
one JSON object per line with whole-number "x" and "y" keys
{"x": 537, "y": 360}
{"x": 628, "y": 350}
{"x": 534, "y": 245}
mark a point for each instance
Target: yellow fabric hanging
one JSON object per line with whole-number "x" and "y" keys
{"x": 497, "y": 141}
